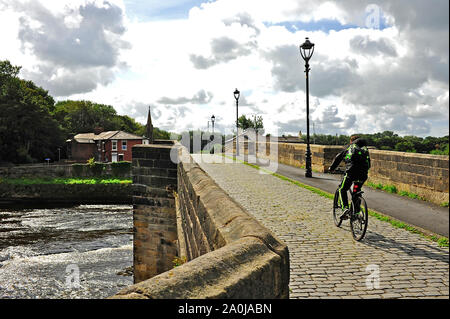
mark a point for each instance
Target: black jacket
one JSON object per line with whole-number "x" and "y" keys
{"x": 356, "y": 157}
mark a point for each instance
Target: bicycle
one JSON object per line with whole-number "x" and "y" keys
{"x": 358, "y": 213}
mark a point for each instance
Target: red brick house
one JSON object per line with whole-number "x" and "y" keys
{"x": 111, "y": 146}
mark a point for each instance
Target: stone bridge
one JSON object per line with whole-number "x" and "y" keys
{"x": 237, "y": 233}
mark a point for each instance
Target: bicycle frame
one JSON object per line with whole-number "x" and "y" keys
{"x": 356, "y": 198}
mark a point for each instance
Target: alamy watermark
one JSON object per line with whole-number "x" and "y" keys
{"x": 373, "y": 279}
{"x": 73, "y": 276}
{"x": 373, "y": 16}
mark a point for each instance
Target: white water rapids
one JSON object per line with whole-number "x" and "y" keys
{"x": 78, "y": 252}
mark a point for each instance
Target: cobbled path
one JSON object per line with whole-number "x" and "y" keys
{"x": 325, "y": 261}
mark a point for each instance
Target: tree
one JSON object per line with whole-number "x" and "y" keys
{"x": 84, "y": 116}
{"x": 440, "y": 151}
{"x": 28, "y": 132}
{"x": 405, "y": 146}
{"x": 256, "y": 124}
{"x": 244, "y": 123}
{"x": 128, "y": 124}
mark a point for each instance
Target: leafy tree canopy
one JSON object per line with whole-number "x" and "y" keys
{"x": 255, "y": 123}
{"x": 388, "y": 140}
{"x": 28, "y": 132}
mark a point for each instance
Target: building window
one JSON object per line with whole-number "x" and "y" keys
{"x": 114, "y": 145}
{"x": 124, "y": 145}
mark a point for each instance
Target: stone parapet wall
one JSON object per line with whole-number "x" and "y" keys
{"x": 229, "y": 254}
{"x": 293, "y": 154}
{"x": 65, "y": 193}
{"x": 55, "y": 171}
{"x": 244, "y": 269}
{"x": 423, "y": 174}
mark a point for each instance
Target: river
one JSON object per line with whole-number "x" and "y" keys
{"x": 84, "y": 251}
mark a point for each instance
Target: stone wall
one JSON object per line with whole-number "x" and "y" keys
{"x": 228, "y": 253}
{"x": 292, "y": 154}
{"x": 423, "y": 174}
{"x": 54, "y": 171}
{"x": 65, "y": 194}
{"x": 154, "y": 217}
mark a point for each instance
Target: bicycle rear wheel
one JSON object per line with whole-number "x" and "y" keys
{"x": 337, "y": 211}
{"x": 359, "y": 220}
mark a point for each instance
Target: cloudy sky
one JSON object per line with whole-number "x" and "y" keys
{"x": 377, "y": 65}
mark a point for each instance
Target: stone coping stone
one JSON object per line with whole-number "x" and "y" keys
{"x": 244, "y": 269}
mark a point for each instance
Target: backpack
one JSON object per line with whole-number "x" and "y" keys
{"x": 358, "y": 157}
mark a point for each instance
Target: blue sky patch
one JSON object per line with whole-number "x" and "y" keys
{"x": 324, "y": 25}
{"x": 161, "y": 10}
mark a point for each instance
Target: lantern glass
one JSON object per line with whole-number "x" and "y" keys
{"x": 307, "y": 50}
{"x": 237, "y": 94}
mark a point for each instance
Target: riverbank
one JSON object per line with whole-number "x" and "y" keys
{"x": 64, "y": 194}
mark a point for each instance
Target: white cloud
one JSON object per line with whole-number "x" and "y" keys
{"x": 362, "y": 80}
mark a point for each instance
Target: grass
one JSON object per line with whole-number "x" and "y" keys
{"x": 440, "y": 240}
{"x": 178, "y": 261}
{"x": 393, "y": 190}
{"x": 35, "y": 181}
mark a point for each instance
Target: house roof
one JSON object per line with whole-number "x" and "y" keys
{"x": 84, "y": 138}
{"x": 109, "y": 135}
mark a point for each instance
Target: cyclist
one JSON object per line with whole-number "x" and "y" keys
{"x": 357, "y": 164}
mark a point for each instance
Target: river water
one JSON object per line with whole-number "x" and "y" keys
{"x": 84, "y": 251}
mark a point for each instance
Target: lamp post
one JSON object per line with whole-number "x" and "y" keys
{"x": 236, "y": 96}
{"x": 306, "y": 51}
{"x": 213, "y": 118}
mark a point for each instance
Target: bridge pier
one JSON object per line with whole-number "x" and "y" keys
{"x": 154, "y": 214}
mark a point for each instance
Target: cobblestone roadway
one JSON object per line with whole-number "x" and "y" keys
{"x": 325, "y": 260}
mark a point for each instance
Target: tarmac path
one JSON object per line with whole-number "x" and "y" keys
{"x": 325, "y": 261}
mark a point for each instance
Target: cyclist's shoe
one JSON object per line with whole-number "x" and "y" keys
{"x": 345, "y": 214}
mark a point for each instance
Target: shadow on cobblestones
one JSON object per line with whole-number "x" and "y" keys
{"x": 379, "y": 241}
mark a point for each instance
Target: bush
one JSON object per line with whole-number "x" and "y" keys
{"x": 91, "y": 162}
{"x": 443, "y": 151}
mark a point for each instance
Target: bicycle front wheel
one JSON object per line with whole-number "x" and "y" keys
{"x": 359, "y": 219}
{"x": 337, "y": 211}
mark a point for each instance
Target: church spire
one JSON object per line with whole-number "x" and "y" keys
{"x": 149, "y": 127}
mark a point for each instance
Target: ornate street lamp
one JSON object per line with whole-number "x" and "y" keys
{"x": 306, "y": 51}
{"x": 236, "y": 96}
{"x": 213, "y": 118}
